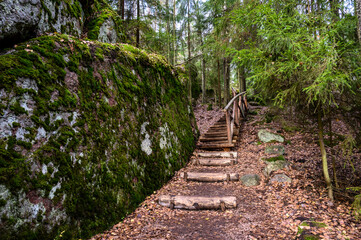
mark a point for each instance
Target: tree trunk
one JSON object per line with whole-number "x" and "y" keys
{"x": 168, "y": 29}
{"x": 197, "y": 202}
{"x": 209, "y": 177}
{"x": 121, "y": 8}
{"x": 358, "y": 14}
{"x": 226, "y": 78}
{"x": 189, "y": 54}
{"x": 225, "y": 95}
{"x": 174, "y": 35}
{"x": 203, "y": 62}
{"x": 138, "y": 24}
{"x": 334, "y": 10}
{"x": 203, "y": 80}
{"x": 332, "y": 153}
{"x": 219, "y": 90}
{"x": 324, "y": 156}
{"x": 242, "y": 79}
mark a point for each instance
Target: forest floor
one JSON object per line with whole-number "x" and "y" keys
{"x": 267, "y": 211}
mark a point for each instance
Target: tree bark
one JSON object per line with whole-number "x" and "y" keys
{"x": 189, "y": 55}
{"x": 324, "y": 156}
{"x": 168, "y": 29}
{"x": 203, "y": 63}
{"x": 197, "y": 202}
{"x": 226, "y": 78}
{"x": 335, "y": 10}
{"x": 332, "y": 153}
{"x": 214, "y": 162}
{"x": 138, "y": 24}
{"x": 217, "y": 154}
{"x": 209, "y": 177}
{"x": 219, "y": 90}
{"x": 225, "y": 95}
{"x": 174, "y": 33}
{"x": 242, "y": 79}
{"x": 121, "y": 9}
{"x": 203, "y": 79}
{"x": 358, "y": 14}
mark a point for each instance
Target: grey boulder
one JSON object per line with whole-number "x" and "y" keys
{"x": 250, "y": 180}
{"x": 266, "y": 136}
{"x": 281, "y": 178}
{"x": 275, "y": 149}
{"x": 274, "y": 166}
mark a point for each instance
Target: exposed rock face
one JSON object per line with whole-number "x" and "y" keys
{"x": 107, "y": 32}
{"x": 105, "y": 25}
{"x": 250, "y": 180}
{"x": 24, "y": 19}
{"x": 266, "y": 136}
{"x": 88, "y": 130}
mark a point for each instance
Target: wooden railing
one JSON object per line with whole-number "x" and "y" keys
{"x": 233, "y": 114}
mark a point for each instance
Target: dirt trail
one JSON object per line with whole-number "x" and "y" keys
{"x": 266, "y": 211}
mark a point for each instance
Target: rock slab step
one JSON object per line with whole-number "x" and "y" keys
{"x": 197, "y": 202}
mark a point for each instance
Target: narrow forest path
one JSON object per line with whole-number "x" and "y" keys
{"x": 270, "y": 210}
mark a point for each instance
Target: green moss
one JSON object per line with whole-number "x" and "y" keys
{"x": 18, "y": 109}
{"x": 273, "y": 159}
{"x": 16, "y": 124}
{"x": 102, "y": 12}
{"x": 310, "y": 237}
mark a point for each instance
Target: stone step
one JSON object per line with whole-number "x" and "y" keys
{"x": 209, "y": 177}
{"x": 214, "y": 162}
{"x": 197, "y": 202}
{"x": 216, "y": 154}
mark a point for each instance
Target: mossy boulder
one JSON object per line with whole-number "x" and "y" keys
{"x": 24, "y": 19}
{"x": 266, "y": 136}
{"x": 274, "y": 166}
{"x": 275, "y": 149}
{"x": 250, "y": 180}
{"x": 281, "y": 178}
{"x": 105, "y": 25}
{"x": 304, "y": 230}
{"x": 21, "y": 20}
{"x": 88, "y": 130}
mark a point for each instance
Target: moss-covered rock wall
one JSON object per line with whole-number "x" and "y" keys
{"x": 88, "y": 130}
{"x": 22, "y": 20}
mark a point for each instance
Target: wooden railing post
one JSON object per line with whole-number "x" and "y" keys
{"x": 235, "y": 111}
{"x": 235, "y": 115}
{"x": 228, "y": 122}
{"x": 240, "y": 105}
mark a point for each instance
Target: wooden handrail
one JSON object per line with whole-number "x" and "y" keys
{"x": 237, "y": 106}
{"x": 233, "y": 99}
